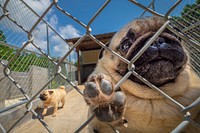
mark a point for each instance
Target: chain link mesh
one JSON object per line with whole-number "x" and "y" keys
{"x": 22, "y": 63}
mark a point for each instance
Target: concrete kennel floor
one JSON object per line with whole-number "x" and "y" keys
{"x": 68, "y": 119}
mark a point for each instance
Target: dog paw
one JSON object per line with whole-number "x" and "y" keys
{"x": 107, "y": 104}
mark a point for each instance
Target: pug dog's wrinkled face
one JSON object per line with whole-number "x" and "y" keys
{"x": 45, "y": 95}
{"x": 161, "y": 63}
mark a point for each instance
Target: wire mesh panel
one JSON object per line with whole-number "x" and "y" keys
{"x": 25, "y": 52}
{"x": 25, "y": 62}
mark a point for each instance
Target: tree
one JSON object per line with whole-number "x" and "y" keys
{"x": 6, "y": 53}
{"x": 188, "y": 24}
{"x": 2, "y": 37}
{"x": 23, "y": 61}
{"x": 189, "y": 15}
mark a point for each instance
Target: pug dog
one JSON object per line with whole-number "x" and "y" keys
{"x": 52, "y": 97}
{"x": 165, "y": 64}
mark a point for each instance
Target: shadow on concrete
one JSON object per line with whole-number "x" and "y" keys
{"x": 39, "y": 111}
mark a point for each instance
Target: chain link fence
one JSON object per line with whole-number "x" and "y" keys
{"x": 22, "y": 63}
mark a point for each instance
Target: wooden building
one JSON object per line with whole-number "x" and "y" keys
{"x": 88, "y": 52}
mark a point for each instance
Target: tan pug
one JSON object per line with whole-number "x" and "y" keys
{"x": 52, "y": 97}
{"x": 165, "y": 64}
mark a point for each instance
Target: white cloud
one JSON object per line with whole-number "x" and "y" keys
{"x": 39, "y": 6}
{"x": 22, "y": 14}
{"x": 61, "y": 49}
{"x": 40, "y": 31}
{"x": 53, "y": 21}
{"x": 27, "y": 19}
{"x": 59, "y": 45}
{"x": 40, "y": 43}
{"x": 68, "y": 31}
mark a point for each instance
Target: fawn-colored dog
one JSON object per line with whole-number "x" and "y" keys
{"x": 52, "y": 97}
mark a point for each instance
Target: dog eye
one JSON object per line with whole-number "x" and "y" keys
{"x": 125, "y": 45}
{"x": 127, "y": 41}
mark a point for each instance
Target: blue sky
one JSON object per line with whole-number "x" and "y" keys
{"x": 115, "y": 15}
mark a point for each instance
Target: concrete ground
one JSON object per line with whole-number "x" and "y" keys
{"x": 68, "y": 119}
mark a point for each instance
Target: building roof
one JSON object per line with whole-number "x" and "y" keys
{"x": 89, "y": 44}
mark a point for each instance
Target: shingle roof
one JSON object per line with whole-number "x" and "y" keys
{"x": 89, "y": 44}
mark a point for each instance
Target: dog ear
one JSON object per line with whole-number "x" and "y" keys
{"x": 50, "y": 92}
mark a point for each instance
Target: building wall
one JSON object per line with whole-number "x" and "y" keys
{"x": 89, "y": 61}
{"x": 30, "y": 81}
{"x": 90, "y": 57}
